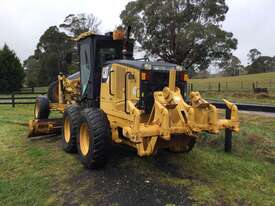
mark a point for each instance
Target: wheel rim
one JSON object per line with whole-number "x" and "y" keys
{"x": 36, "y": 111}
{"x": 84, "y": 139}
{"x": 67, "y": 130}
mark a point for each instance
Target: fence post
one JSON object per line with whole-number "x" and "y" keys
{"x": 12, "y": 100}
{"x": 192, "y": 88}
{"x": 228, "y": 134}
{"x": 219, "y": 87}
{"x": 253, "y": 87}
{"x": 32, "y": 89}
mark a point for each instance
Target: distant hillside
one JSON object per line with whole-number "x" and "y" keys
{"x": 249, "y": 77}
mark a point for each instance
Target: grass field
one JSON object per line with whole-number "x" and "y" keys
{"x": 238, "y": 83}
{"x": 38, "y": 172}
{"x": 238, "y": 89}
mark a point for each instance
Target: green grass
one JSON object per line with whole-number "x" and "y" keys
{"x": 38, "y": 172}
{"x": 41, "y": 89}
{"x": 28, "y": 169}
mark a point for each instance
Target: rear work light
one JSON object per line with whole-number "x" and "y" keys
{"x": 145, "y": 75}
{"x": 184, "y": 77}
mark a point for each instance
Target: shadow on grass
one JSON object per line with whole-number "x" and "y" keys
{"x": 16, "y": 123}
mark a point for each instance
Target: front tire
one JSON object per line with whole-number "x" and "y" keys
{"x": 94, "y": 138}
{"x": 71, "y": 118}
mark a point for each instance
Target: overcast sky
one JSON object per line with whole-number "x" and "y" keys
{"x": 22, "y": 22}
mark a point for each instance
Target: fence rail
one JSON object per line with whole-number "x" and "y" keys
{"x": 28, "y": 90}
{"x": 246, "y": 107}
{"x": 12, "y": 100}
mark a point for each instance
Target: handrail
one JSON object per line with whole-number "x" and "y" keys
{"x": 125, "y": 92}
{"x": 110, "y": 83}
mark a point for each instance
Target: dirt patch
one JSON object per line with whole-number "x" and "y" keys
{"x": 253, "y": 139}
{"x": 267, "y": 149}
{"x": 263, "y": 95}
{"x": 263, "y": 147}
{"x": 242, "y": 95}
{"x": 125, "y": 181}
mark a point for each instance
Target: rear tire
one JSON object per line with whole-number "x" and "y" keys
{"x": 94, "y": 138}
{"x": 53, "y": 92}
{"x": 70, "y": 128}
{"x": 42, "y": 108}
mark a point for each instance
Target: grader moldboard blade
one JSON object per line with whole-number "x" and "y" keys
{"x": 44, "y": 127}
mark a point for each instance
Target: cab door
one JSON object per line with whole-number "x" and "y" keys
{"x": 121, "y": 84}
{"x": 111, "y": 96}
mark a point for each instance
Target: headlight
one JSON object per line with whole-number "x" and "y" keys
{"x": 148, "y": 67}
{"x": 179, "y": 68}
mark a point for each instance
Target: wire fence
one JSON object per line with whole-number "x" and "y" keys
{"x": 233, "y": 86}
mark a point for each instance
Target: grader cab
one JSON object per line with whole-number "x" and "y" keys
{"x": 117, "y": 99}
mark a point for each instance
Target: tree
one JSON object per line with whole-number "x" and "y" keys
{"x": 53, "y": 54}
{"x": 76, "y": 24}
{"x": 231, "y": 67}
{"x": 32, "y": 69}
{"x": 57, "y": 43}
{"x": 11, "y": 71}
{"x": 253, "y": 55}
{"x": 181, "y": 31}
{"x": 261, "y": 64}
{"x": 56, "y": 51}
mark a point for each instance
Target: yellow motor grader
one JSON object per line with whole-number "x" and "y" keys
{"x": 116, "y": 99}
